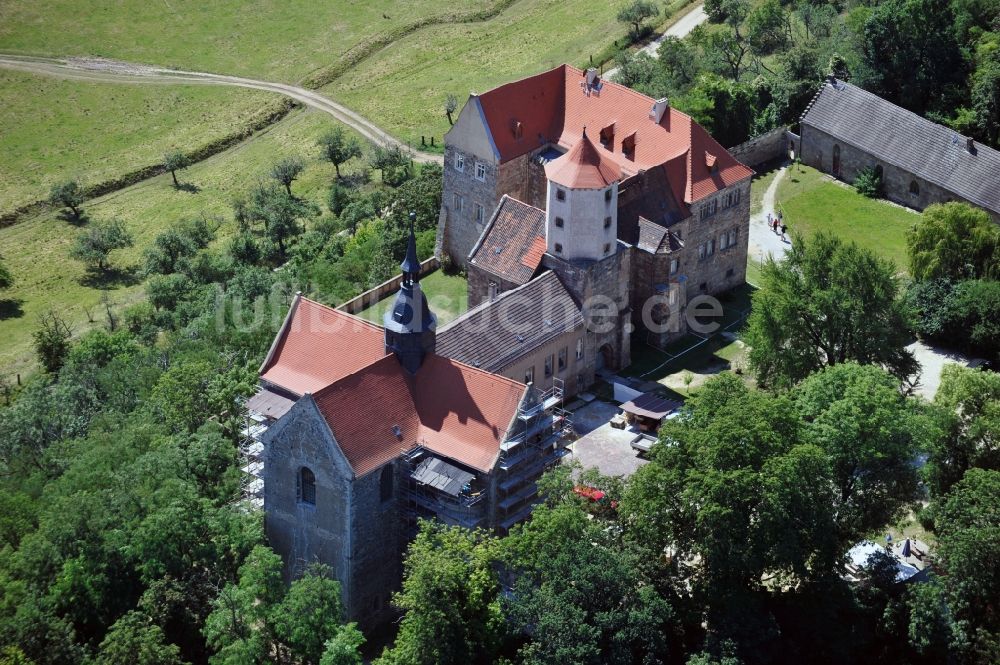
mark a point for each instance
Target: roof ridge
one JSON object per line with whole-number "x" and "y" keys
{"x": 333, "y": 384}
{"x": 342, "y": 312}
{"x": 488, "y": 303}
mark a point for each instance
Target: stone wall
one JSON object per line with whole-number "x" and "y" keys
{"x": 817, "y": 152}
{"x": 386, "y": 288}
{"x": 577, "y": 375}
{"x": 764, "y": 148}
{"x": 377, "y": 544}
{"x": 650, "y": 272}
{"x": 479, "y": 284}
{"x": 724, "y": 269}
{"x": 461, "y": 230}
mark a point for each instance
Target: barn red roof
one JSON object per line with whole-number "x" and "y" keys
{"x": 449, "y": 408}
{"x": 318, "y": 345}
{"x": 555, "y": 106}
{"x": 584, "y": 167}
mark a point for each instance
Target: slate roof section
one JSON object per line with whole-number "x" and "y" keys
{"x": 513, "y": 243}
{"x": 451, "y": 409}
{"x": 555, "y": 106}
{"x": 901, "y": 138}
{"x": 318, "y": 345}
{"x": 657, "y": 239}
{"x": 498, "y": 332}
{"x": 584, "y": 167}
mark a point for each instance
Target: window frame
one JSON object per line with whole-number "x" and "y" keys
{"x": 481, "y": 171}
{"x": 560, "y": 222}
{"x": 480, "y": 213}
{"x": 305, "y": 491}
{"x": 560, "y": 194}
{"x": 458, "y": 202}
{"x": 562, "y": 361}
{"x": 459, "y": 162}
{"x": 529, "y": 375}
{"x": 550, "y": 362}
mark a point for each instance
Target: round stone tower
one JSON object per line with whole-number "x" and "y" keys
{"x": 581, "y": 216}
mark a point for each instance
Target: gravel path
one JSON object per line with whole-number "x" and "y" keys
{"x": 763, "y": 241}
{"x": 681, "y": 28}
{"x": 113, "y": 71}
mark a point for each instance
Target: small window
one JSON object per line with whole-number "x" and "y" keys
{"x": 729, "y": 273}
{"x": 607, "y": 196}
{"x": 579, "y": 349}
{"x": 385, "y": 483}
{"x": 914, "y": 188}
{"x": 558, "y": 248}
{"x": 673, "y": 297}
{"x": 559, "y": 222}
{"x": 674, "y": 266}
{"x": 563, "y": 355}
{"x": 560, "y": 194}
{"x": 529, "y": 375}
{"x": 306, "y": 487}
{"x": 548, "y": 365}
{"x": 458, "y": 202}
{"x": 480, "y": 171}
{"x": 607, "y": 222}
{"x": 704, "y": 286}
{"x": 607, "y": 248}
{"x": 711, "y": 246}
{"x": 459, "y": 161}
{"x": 479, "y": 213}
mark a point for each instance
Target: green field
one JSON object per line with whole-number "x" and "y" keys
{"x": 257, "y": 38}
{"x": 447, "y": 296}
{"x": 55, "y": 130}
{"x": 36, "y": 249}
{"x": 402, "y": 88}
{"x": 812, "y": 201}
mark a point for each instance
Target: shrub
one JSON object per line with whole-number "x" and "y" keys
{"x": 868, "y": 183}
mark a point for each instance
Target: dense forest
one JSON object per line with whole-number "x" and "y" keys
{"x": 756, "y": 65}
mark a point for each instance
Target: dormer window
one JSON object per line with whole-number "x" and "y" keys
{"x": 608, "y": 136}
{"x": 516, "y": 128}
{"x": 628, "y": 146}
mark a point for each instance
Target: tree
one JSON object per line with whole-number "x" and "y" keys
{"x": 338, "y": 147}
{"x": 135, "y": 640}
{"x": 338, "y": 198}
{"x": 287, "y": 170}
{"x": 868, "y": 183}
{"x": 827, "y": 303}
{"x": 636, "y": 12}
{"x": 985, "y": 99}
{"x": 70, "y": 195}
{"x": 768, "y": 29}
{"x": 174, "y": 161}
{"x": 280, "y": 214}
{"x": 452, "y": 614}
{"x": 955, "y": 241}
{"x": 6, "y": 278}
{"x": 389, "y": 160}
{"x": 310, "y": 614}
{"x": 871, "y": 435}
{"x": 971, "y": 438}
{"x": 94, "y": 245}
{"x": 450, "y": 106}
{"x": 52, "y": 341}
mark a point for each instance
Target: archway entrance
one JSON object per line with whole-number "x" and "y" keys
{"x": 605, "y": 357}
{"x": 836, "y": 160}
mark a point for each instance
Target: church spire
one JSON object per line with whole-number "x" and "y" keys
{"x": 410, "y": 325}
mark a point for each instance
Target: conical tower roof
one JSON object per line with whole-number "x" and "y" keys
{"x": 585, "y": 166}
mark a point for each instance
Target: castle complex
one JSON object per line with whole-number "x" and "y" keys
{"x": 585, "y": 214}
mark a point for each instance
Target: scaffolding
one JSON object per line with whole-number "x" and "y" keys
{"x": 446, "y": 493}
{"x": 251, "y": 458}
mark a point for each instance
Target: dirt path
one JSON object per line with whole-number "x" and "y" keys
{"x": 682, "y": 28}
{"x": 113, "y": 71}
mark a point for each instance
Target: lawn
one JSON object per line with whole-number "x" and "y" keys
{"x": 447, "y": 296}
{"x": 812, "y": 201}
{"x": 55, "y": 130}
{"x": 36, "y": 249}
{"x": 403, "y": 87}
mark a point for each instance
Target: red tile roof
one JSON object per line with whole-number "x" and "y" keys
{"x": 449, "y": 408}
{"x": 555, "y": 106}
{"x": 318, "y": 345}
{"x": 584, "y": 167}
{"x": 513, "y": 242}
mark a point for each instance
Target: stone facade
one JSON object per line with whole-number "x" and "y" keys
{"x": 467, "y": 201}
{"x": 482, "y": 284}
{"x": 843, "y": 161}
{"x": 577, "y": 373}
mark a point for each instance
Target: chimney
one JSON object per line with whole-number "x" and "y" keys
{"x": 591, "y": 77}
{"x": 970, "y": 145}
{"x": 660, "y": 107}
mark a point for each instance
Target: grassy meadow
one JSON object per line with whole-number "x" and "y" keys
{"x": 812, "y": 201}
{"x": 55, "y": 130}
{"x": 447, "y": 296}
{"x": 36, "y": 249}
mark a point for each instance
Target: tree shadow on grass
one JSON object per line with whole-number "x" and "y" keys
{"x": 10, "y": 308}
{"x": 75, "y": 219}
{"x": 188, "y": 187}
{"x": 112, "y": 278}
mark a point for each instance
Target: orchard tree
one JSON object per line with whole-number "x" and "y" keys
{"x": 954, "y": 241}
{"x": 450, "y": 106}
{"x": 69, "y": 195}
{"x": 280, "y": 213}
{"x": 287, "y": 170}
{"x": 388, "y": 160}
{"x": 338, "y": 147}
{"x": 94, "y": 245}
{"x": 52, "y": 341}
{"x": 175, "y": 161}
{"x": 636, "y": 12}
{"x": 768, "y": 28}
{"x": 825, "y": 304}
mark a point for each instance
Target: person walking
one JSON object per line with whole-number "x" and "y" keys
{"x": 784, "y": 229}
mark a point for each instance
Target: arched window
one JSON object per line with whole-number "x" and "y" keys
{"x": 385, "y": 483}
{"x": 306, "y": 487}
{"x": 836, "y": 160}
{"x": 914, "y": 188}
